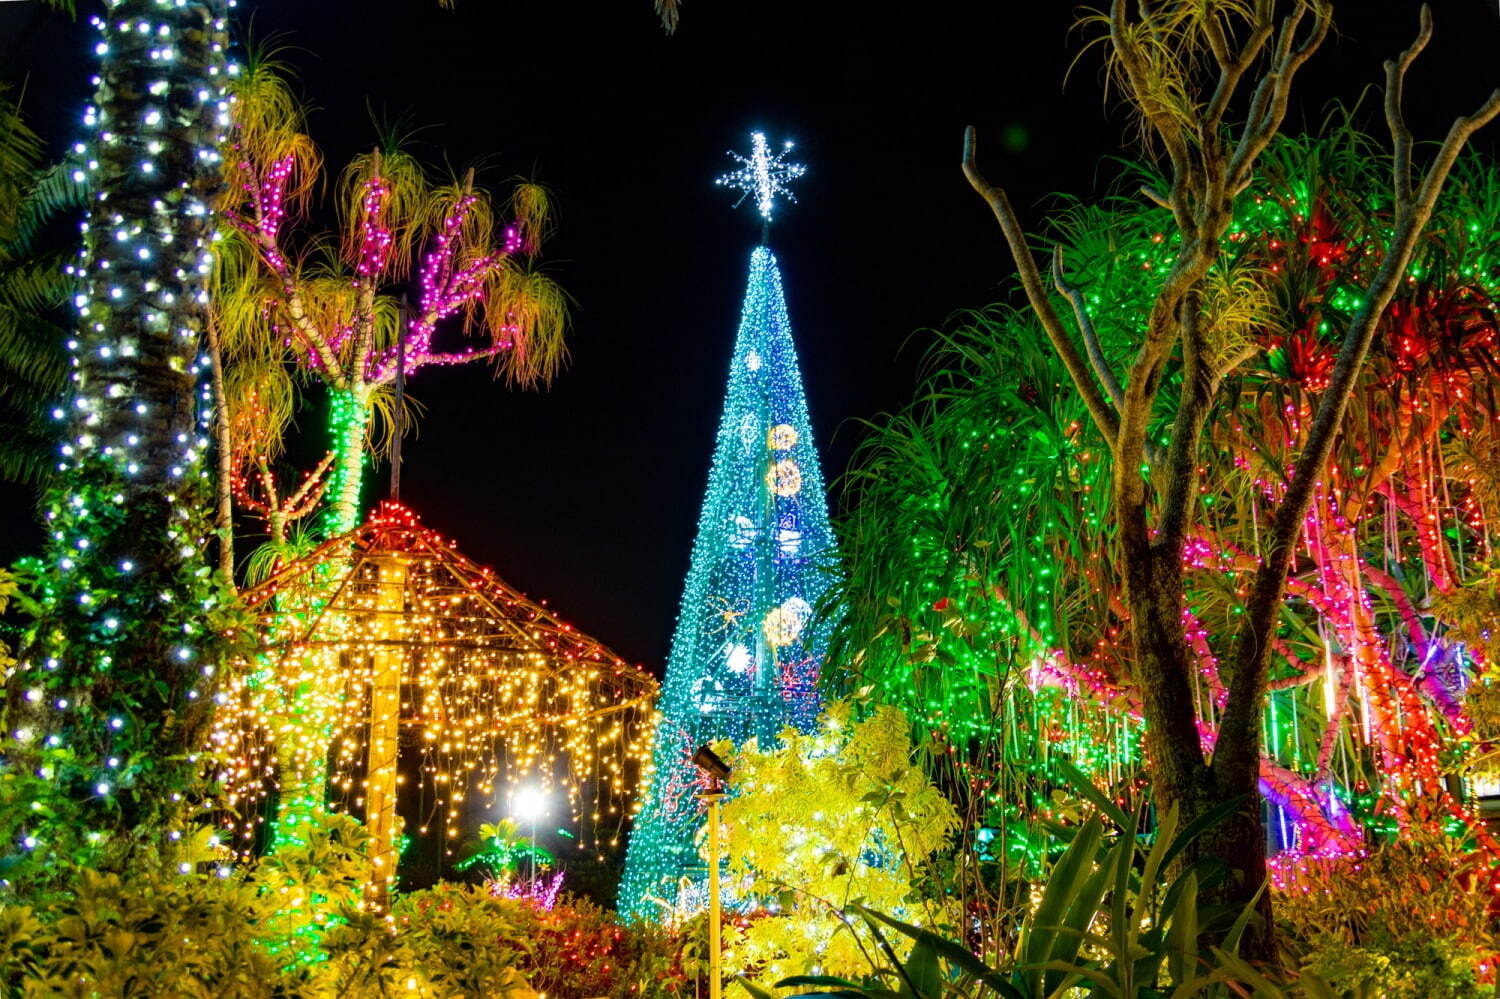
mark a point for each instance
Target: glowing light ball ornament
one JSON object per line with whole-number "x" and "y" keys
{"x": 747, "y": 648}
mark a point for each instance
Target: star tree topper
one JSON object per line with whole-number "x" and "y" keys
{"x": 763, "y": 175}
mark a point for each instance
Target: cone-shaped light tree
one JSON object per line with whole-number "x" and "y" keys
{"x": 113, "y": 695}
{"x": 748, "y": 646}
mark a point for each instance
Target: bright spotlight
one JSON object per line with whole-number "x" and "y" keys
{"x": 528, "y": 803}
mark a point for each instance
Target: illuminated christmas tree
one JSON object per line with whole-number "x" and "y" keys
{"x": 748, "y": 645}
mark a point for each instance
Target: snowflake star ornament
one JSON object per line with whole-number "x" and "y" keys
{"x": 764, "y": 175}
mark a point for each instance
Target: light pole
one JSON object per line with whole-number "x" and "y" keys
{"x": 717, "y": 772}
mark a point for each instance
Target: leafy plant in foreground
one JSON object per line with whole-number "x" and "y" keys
{"x": 1120, "y": 917}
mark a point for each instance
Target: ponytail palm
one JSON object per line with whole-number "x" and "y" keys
{"x": 334, "y": 306}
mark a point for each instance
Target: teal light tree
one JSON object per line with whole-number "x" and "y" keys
{"x": 748, "y": 647}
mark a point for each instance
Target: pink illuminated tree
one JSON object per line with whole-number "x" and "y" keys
{"x": 422, "y": 274}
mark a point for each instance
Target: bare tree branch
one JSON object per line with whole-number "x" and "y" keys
{"x": 1086, "y": 330}
{"x": 1395, "y": 84}
{"x": 1268, "y": 106}
{"x": 1232, "y": 67}
{"x": 1031, "y": 280}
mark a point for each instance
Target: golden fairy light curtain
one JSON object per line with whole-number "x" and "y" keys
{"x": 388, "y": 643}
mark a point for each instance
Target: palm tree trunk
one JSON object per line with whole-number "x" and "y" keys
{"x": 224, "y": 513}
{"x": 348, "y": 422}
{"x": 123, "y": 665}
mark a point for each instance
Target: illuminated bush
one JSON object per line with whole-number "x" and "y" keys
{"x": 839, "y": 816}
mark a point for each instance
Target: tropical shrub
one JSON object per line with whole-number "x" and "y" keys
{"x": 824, "y": 821}
{"x": 1118, "y": 915}
{"x": 1412, "y": 920}
{"x": 178, "y": 920}
{"x": 574, "y": 950}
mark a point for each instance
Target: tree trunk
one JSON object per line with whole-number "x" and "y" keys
{"x": 224, "y": 467}
{"x": 348, "y": 422}
{"x": 312, "y": 695}
{"x": 1180, "y": 773}
{"x": 122, "y": 668}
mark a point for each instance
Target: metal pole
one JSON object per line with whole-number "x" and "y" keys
{"x": 715, "y": 980}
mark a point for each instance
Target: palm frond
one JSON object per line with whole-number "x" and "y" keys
{"x": 20, "y": 151}
{"x": 459, "y": 200}
{"x": 268, "y": 128}
{"x": 383, "y": 417}
{"x": 528, "y": 309}
{"x": 50, "y": 193}
{"x": 29, "y": 456}
{"x": 400, "y": 208}
{"x": 669, "y": 11}
{"x": 31, "y": 349}
{"x": 262, "y": 563}
{"x": 532, "y": 212}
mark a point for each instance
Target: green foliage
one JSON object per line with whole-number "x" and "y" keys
{"x": 1413, "y": 919}
{"x": 1117, "y": 917}
{"x": 827, "y": 820}
{"x": 176, "y": 918}
{"x": 502, "y": 849}
{"x": 33, "y": 289}
{"x": 576, "y": 950}
{"x": 1421, "y": 967}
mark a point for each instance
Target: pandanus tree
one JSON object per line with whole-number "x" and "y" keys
{"x": 415, "y": 263}
{"x": 113, "y": 696}
{"x": 1093, "y": 542}
{"x": 1155, "y": 56}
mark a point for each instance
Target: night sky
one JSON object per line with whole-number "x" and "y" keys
{"x": 587, "y": 494}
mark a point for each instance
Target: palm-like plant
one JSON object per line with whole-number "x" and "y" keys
{"x": 132, "y": 619}
{"x": 983, "y": 588}
{"x": 33, "y": 361}
{"x": 332, "y": 310}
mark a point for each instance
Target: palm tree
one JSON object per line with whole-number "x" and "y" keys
{"x": 33, "y": 360}
{"x": 333, "y": 311}
{"x": 113, "y": 696}
{"x": 288, "y": 313}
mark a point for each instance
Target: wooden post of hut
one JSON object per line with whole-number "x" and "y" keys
{"x": 383, "y": 749}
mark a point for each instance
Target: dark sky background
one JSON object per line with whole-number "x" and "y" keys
{"x": 587, "y": 495}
